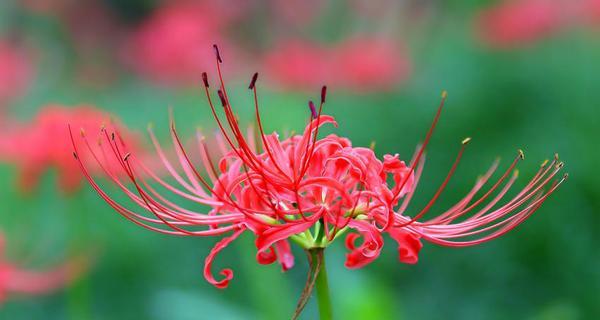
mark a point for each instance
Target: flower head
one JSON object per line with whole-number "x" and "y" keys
{"x": 16, "y": 280}
{"x": 311, "y": 190}
{"x": 44, "y": 143}
{"x": 15, "y": 72}
{"x": 517, "y": 23}
{"x": 173, "y": 44}
{"x": 358, "y": 64}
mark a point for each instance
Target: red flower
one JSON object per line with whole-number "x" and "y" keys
{"x": 515, "y": 23}
{"x": 310, "y": 190}
{"x": 16, "y": 280}
{"x": 15, "y": 72}
{"x": 299, "y": 13}
{"x": 589, "y": 11}
{"x": 173, "y": 45}
{"x": 45, "y": 143}
{"x": 358, "y": 64}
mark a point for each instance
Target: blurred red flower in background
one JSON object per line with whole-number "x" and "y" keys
{"x": 174, "y": 44}
{"x": 16, "y": 71}
{"x": 589, "y": 11}
{"x": 92, "y": 31}
{"x": 358, "y": 64}
{"x": 296, "y": 12}
{"x": 515, "y": 23}
{"x": 44, "y": 143}
{"x": 15, "y": 280}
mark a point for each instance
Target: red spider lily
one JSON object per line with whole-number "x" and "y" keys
{"x": 16, "y": 280}
{"x": 15, "y": 72}
{"x": 299, "y": 13}
{"x": 45, "y": 143}
{"x": 173, "y": 45}
{"x": 516, "y": 23}
{"x": 590, "y": 11}
{"x": 311, "y": 190}
{"x": 358, "y": 64}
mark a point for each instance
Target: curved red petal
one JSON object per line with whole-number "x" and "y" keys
{"x": 409, "y": 245}
{"x": 284, "y": 254}
{"x": 370, "y": 248}
{"x": 226, "y": 273}
{"x": 276, "y": 233}
{"x": 266, "y": 257}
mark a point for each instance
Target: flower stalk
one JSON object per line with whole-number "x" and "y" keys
{"x": 317, "y": 277}
{"x": 322, "y": 285}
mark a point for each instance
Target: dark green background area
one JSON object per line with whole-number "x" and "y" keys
{"x": 542, "y": 98}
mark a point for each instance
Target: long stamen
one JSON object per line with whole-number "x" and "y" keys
{"x": 223, "y": 98}
{"x": 442, "y": 186}
{"x": 266, "y": 146}
{"x": 123, "y": 211}
{"x": 521, "y": 216}
{"x": 418, "y": 172}
{"x": 497, "y": 184}
{"x": 350, "y": 216}
{"x": 251, "y": 158}
{"x": 230, "y": 117}
{"x": 224, "y": 101}
{"x": 400, "y": 186}
{"x": 505, "y": 209}
{"x": 246, "y": 212}
{"x": 312, "y": 150}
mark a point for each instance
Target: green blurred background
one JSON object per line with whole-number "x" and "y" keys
{"x": 540, "y": 96}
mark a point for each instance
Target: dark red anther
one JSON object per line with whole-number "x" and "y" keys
{"x": 205, "y": 79}
{"x": 323, "y": 94}
{"x": 222, "y": 97}
{"x": 253, "y": 82}
{"x": 313, "y": 110}
{"x": 217, "y": 53}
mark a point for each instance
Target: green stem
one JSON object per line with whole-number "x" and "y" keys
{"x": 322, "y": 285}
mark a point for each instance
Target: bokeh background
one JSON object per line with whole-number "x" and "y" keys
{"x": 520, "y": 74}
